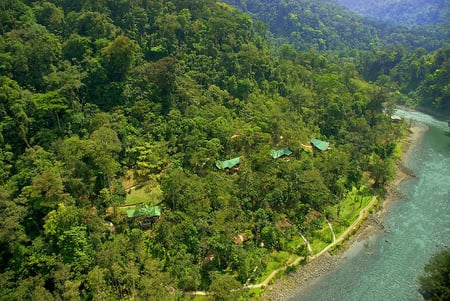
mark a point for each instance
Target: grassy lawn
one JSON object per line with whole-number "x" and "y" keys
{"x": 274, "y": 260}
{"x": 350, "y": 210}
{"x": 325, "y": 234}
{"x": 254, "y": 294}
{"x": 134, "y": 196}
{"x": 338, "y": 229}
{"x": 196, "y": 298}
{"x": 352, "y": 204}
{"x": 138, "y": 192}
{"x": 123, "y": 211}
{"x": 318, "y": 245}
{"x": 296, "y": 242}
{"x": 344, "y": 215}
{"x": 398, "y": 151}
{"x": 321, "y": 239}
{"x": 150, "y": 193}
{"x": 141, "y": 190}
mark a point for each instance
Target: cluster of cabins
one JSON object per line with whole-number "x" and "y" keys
{"x": 143, "y": 215}
{"x": 274, "y": 153}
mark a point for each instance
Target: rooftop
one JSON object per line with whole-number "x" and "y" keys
{"x": 277, "y": 153}
{"x": 319, "y": 144}
{"x": 144, "y": 210}
{"x": 228, "y": 163}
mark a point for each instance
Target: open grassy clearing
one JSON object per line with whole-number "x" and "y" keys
{"x": 274, "y": 260}
{"x": 318, "y": 245}
{"x": 150, "y": 193}
{"x": 295, "y": 243}
{"x": 348, "y": 209}
{"x": 141, "y": 190}
{"x": 344, "y": 214}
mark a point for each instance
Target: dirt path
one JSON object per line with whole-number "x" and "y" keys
{"x": 308, "y": 245}
{"x": 132, "y": 187}
{"x": 332, "y": 231}
{"x": 284, "y": 288}
{"x": 363, "y": 214}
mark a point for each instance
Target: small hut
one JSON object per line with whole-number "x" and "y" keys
{"x": 228, "y": 164}
{"x": 144, "y": 215}
{"x": 396, "y": 118}
{"x": 320, "y": 145}
{"x": 241, "y": 238}
{"x": 277, "y": 153}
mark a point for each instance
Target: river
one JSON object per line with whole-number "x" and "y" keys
{"x": 386, "y": 266}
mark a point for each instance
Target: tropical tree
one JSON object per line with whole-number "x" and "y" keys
{"x": 435, "y": 282}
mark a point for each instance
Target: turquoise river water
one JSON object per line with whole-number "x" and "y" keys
{"x": 386, "y": 266}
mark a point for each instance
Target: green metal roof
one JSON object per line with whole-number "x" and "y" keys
{"x": 228, "y": 163}
{"x": 130, "y": 212}
{"x": 276, "y": 153}
{"x": 144, "y": 210}
{"x": 321, "y": 145}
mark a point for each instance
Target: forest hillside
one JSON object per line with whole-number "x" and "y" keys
{"x": 327, "y": 25}
{"x": 410, "y": 62}
{"x": 407, "y": 12}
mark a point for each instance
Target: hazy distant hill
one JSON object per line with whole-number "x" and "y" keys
{"x": 317, "y": 24}
{"x": 328, "y": 25}
{"x": 408, "y": 12}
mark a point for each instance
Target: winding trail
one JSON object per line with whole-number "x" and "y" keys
{"x": 308, "y": 245}
{"x": 131, "y": 187}
{"x": 332, "y": 231}
{"x": 363, "y": 214}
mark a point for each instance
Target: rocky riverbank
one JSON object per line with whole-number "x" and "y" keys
{"x": 403, "y": 173}
{"x": 305, "y": 275}
{"x": 286, "y": 286}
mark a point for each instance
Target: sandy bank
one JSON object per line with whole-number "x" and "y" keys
{"x": 306, "y": 275}
{"x": 403, "y": 173}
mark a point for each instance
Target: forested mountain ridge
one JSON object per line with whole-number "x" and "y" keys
{"x": 407, "y": 12}
{"x": 412, "y": 77}
{"x": 312, "y": 24}
{"x": 95, "y": 92}
{"x": 410, "y": 62}
{"x": 327, "y": 25}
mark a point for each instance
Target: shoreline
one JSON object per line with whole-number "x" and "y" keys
{"x": 430, "y": 111}
{"x": 401, "y": 170}
{"x": 306, "y": 275}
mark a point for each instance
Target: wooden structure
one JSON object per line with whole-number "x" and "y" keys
{"x": 143, "y": 215}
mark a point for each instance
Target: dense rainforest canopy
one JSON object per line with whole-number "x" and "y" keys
{"x": 98, "y": 97}
{"x": 411, "y": 62}
{"x": 435, "y": 283}
{"x": 327, "y": 25}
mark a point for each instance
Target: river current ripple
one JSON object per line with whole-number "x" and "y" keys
{"x": 386, "y": 266}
